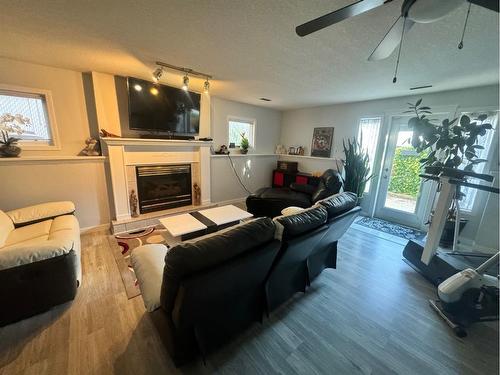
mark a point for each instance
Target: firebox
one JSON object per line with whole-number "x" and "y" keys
{"x": 160, "y": 187}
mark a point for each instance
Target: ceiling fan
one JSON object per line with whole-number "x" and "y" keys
{"x": 412, "y": 11}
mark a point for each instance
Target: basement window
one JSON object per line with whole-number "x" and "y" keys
{"x": 27, "y": 114}
{"x": 238, "y": 126}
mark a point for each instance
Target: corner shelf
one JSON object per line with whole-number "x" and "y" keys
{"x": 305, "y": 157}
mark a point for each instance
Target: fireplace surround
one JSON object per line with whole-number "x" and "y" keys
{"x": 125, "y": 155}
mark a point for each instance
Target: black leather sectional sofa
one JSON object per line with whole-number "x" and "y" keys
{"x": 215, "y": 287}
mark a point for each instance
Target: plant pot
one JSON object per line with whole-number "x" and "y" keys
{"x": 449, "y": 231}
{"x": 10, "y": 151}
{"x": 244, "y": 150}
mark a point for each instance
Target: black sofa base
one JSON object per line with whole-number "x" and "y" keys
{"x": 36, "y": 287}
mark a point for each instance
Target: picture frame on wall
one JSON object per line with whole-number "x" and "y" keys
{"x": 322, "y": 142}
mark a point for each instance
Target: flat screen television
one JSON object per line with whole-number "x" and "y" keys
{"x": 161, "y": 108}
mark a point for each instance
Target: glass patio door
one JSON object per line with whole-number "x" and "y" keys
{"x": 402, "y": 198}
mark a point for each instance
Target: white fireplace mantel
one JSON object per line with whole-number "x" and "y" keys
{"x": 124, "y": 153}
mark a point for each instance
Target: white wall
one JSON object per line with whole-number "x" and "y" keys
{"x": 297, "y": 128}
{"x": 82, "y": 182}
{"x": 254, "y": 171}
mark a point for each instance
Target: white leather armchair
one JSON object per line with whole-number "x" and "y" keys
{"x": 39, "y": 259}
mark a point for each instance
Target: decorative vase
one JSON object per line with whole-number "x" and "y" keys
{"x": 10, "y": 151}
{"x": 244, "y": 150}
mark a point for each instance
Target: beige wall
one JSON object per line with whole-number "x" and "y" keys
{"x": 66, "y": 87}
{"x": 82, "y": 182}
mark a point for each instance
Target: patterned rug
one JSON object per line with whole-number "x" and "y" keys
{"x": 392, "y": 228}
{"x": 122, "y": 246}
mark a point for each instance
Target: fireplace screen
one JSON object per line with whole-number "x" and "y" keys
{"x": 163, "y": 186}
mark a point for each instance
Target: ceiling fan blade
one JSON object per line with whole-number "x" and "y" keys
{"x": 391, "y": 39}
{"x": 488, "y": 4}
{"x": 329, "y": 19}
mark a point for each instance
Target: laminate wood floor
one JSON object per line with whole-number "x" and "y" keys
{"x": 370, "y": 316}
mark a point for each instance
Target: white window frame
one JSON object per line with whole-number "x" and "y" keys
{"x": 54, "y": 145}
{"x": 479, "y": 198}
{"x": 242, "y": 119}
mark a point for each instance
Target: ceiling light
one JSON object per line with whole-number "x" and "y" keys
{"x": 157, "y": 74}
{"x": 185, "y": 83}
{"x": 154, "y": 91}
{"x": 206, "y": 86}
{"x": 137, "y": 87}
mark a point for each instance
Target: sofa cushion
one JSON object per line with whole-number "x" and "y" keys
{"x": 44, "y": 240}
{"x": 330, "y": 183}
{"x": 30, "y": 234}
{"x": 339, "y": 203}
{"x": 290, "y": 226}
{"x": 147, "y": 261}
{"x": 188, "y": 258}
{"x": 292, "y": 210}
{"x": 6, "y": 226}
{"x": 40, "y": 212}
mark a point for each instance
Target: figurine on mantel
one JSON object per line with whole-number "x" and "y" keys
{"x": 92, "y": 147}
{"x": 196, "y": 195}
{"x": 133, "y": 203}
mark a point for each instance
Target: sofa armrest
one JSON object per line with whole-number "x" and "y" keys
{"x": 40, "y": 212}
{"x": 302, "y": 188}
{"x": 18, "y": 255}
{"x": 148, "y": 262}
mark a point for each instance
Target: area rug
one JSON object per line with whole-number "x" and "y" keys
{"x": 392, "y": 228}
{"x": 123, "y": 244}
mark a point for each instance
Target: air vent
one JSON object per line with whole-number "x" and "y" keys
{"x": 420, "y": 87}
{"x": 265, "y": 99}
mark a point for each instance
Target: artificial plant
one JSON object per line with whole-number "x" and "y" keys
{"x": 356, "y": 167}
{"x": 450, "y": 144}
{"x": 244, "y": 143}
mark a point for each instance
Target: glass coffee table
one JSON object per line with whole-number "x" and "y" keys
{"x": 195, "y": 224}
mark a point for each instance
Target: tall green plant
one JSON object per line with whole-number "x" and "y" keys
{"x": 450, "y": 144}
{"x": 356, "y": 167}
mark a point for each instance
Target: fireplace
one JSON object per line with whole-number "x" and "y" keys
{"x": 161, "y": 187}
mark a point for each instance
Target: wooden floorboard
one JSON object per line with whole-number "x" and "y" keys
{"x": 370, "y": 316}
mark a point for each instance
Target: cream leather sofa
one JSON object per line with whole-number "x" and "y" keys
{"x": 39, "y": 259}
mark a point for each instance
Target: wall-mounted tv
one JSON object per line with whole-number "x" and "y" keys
{"x": 160, "y": 108}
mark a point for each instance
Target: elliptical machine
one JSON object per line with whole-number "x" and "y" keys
{"x": 466, "y": 293}
{"x": 469, "y": 296}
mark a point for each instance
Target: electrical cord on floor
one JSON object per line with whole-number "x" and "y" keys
{"x": 237, "y": 176}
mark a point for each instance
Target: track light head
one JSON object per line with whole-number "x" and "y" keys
{"x": 185, "y": 83}
{"x": 157, "y": 74}
{"x": 206, "y": 87}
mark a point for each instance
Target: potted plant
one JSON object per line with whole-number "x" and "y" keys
{"x": 450, "y": 145}
{"x": 356, "y": 168}
{"x": 244, "y": 144}
{"x": 8, "y": 146}
{"x": 11, "y": 124}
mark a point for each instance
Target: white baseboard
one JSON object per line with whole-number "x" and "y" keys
{"x": 231, "y": 201}
{"x": 95, "y": 228}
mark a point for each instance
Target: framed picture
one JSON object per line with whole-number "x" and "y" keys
{"x": 322, "y": 142}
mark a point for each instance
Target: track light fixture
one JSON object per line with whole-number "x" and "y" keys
{"x": 185, "y": 82}
{"x": 206, "y": 86}
{"x": 157, "y": 74}
{"x": 185, "y": 79}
